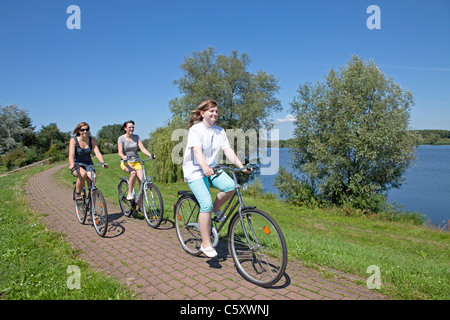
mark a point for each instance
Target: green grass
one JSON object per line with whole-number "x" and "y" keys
{"x": 414, "y": 260}
{"x": 34, "y": 261}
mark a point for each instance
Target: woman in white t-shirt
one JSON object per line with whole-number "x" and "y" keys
{"x": 205, "y": 141}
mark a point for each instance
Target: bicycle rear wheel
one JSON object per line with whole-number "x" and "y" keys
{"x": 125, "y": 205}
{"x": 152, "y": 205}
{"x": 186, "y": 225}
{"x": 99, "y": 213}
{"x": 261, "y": 256}
{"x": 80, "y": 206}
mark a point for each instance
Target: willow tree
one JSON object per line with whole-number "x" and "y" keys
{"x": 352, "y": 137}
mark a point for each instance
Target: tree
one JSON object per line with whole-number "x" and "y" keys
{"x": 107, "y": 137}
{"x": 246, "y": 100}
{"x": 352, "y": 139}
{"x": 50, "y": 135}
{"x": 15, "y": 127}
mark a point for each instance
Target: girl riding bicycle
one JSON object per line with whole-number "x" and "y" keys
{"x": 80, "y": 148}
{"x": 205, "y": 140}
{"x": 127, "y": 145}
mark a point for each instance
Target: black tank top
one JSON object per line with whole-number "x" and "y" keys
{"x": 83, "y": 155}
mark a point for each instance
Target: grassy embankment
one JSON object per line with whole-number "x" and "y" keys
{"x": 34, "y": 261}
{"x": 414, "y": 260}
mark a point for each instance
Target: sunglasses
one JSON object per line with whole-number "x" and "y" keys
{"x": 84, "y": 130}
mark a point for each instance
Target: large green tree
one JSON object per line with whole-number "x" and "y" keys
{"x": 352, "y": 137}
{"x": 15, "y": 128}
{"x": 107, "y": 137}
{"x": 246, "y": 101}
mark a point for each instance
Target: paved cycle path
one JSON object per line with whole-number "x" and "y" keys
{"x": 152, "y": 262}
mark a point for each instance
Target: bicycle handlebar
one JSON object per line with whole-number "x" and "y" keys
{"x": 140, "y": 160}
{"x": 89, "y": 165}
{"x": 218, "y": 167}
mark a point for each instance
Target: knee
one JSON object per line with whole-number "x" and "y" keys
{"x": 206, "y": 204}
{"x": 82, "y": 175}
{"x": 133, "y": 174}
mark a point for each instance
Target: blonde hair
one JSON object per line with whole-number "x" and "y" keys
{"x": 196, "y": 115}
{"x": 77, "y": 129}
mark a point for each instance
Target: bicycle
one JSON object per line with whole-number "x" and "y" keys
{"x": 255, "y": 240}
{"x": 146, "y": 201}
{"x": 93, "y": 201}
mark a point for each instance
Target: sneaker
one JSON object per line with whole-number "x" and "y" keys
{"x": 130, "y": 198}
{"x": 210, "y": 252}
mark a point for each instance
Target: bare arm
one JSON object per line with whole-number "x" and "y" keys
{"x": 231, "y": 155}
{"x": 97, "y": 152}
{"x": 198, "y": 154}
{"x": 143, "y": 149}
{"x": 71, "y": 153}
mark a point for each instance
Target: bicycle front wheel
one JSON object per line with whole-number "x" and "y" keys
{"x": 152, "y": 205}
{"x": 258, "y": 247}
{"x": 186, "y": 225}
{"x": 99, "y": 213}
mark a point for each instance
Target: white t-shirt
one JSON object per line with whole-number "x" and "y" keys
{"x": 212, "y": 140}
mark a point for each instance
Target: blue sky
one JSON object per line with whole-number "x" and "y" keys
{"x": 122, "y": 63}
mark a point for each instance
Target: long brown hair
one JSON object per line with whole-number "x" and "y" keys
{"x": 195, "y": 114}
{"x": 77, "y": 129}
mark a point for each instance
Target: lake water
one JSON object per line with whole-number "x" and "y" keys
{"x": 426, "y": 188}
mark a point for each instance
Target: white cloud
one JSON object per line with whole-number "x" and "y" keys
{"x": 287, "y": 118}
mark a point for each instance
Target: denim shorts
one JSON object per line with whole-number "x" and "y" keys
{"x": 200, "y": 188}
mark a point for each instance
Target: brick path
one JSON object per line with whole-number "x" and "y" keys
{"x": 153, "y": 264}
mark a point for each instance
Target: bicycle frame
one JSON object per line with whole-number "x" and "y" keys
{"x": 145, "y": 178}
{"x": 229, "y": 210}
{"x": 91, "y": 186}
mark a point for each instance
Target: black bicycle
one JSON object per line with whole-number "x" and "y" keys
{"x": 255, "y": 240}
{"x": 92, "y": 201}
{"x": 149, "y": 200}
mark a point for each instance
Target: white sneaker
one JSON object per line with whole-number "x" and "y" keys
{"x": 210, "y": 252}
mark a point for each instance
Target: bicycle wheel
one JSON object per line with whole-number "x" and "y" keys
{"x": 152, "y": 205}
{"x": 125, "y": 205}
{"x": 186, "y": 224}
{"x": 80, "y": 206}
{"x": 99, "y": 213}
{"x": 261, "y": 256}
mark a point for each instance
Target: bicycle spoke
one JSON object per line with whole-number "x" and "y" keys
{"x": 125, "y": 205}
{"x": 152, "y": 204}
{"x": 99, "y": 213}
{"x": 186, "y": 224}
{"x": 258, "y": 248}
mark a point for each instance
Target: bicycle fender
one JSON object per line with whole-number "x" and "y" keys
{"x": 185, "y": 193}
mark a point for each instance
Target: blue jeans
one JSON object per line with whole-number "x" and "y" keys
{"x": 200, "y": 188}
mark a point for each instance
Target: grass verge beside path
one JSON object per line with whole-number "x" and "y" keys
{"x": 413, "y": 261}
{"x": 34, "y": 261}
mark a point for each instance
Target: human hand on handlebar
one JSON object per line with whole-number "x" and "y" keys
{"x": 208, "y": 172}
{"x": 248, "y": 170}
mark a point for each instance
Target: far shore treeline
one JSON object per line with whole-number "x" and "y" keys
{"x": 425, "y": 137}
